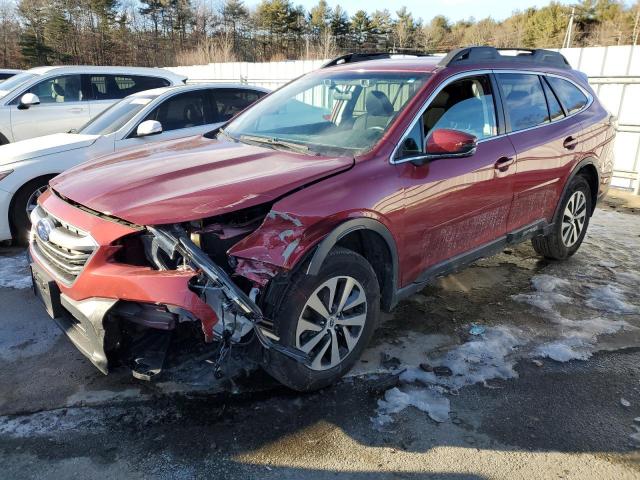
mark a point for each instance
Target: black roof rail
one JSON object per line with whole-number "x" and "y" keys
{"x": 470, "y": 55}
{"x": 366, "y": 56}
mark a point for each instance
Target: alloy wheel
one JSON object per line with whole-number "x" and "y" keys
{"x": 573, "y": 219}
{"x": 32, "y": 203}
{"x": 332, "y": 321}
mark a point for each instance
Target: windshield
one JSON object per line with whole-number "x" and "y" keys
{"x": 116, "y": 116}
{"x": 342, "y": 113}
{"x": 14, "y": 82}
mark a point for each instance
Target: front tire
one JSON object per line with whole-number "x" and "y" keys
{"x": 571, "y": 222}
{"x": 24, "y": 201}
{"x": 330, "y": 316}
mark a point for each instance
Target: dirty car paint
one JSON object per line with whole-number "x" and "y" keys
{"x": 189, "y": 179}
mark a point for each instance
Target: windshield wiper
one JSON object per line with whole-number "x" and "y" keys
{"x": 276, "y": 142}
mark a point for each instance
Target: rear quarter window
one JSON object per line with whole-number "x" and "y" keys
{"x": 114, "y": 87}
{"x": 571, "y": 96}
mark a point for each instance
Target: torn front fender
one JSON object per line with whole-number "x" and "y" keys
{"x": 279, "y": 242}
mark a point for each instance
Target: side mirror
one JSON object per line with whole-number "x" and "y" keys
{"x": 149, "y": 127}
{"x": 450, "y": 143}
{"x": 28, "y": 100}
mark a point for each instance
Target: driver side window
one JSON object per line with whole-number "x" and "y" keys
{"x": 466, "y": 105}
{"x": 184, "y": 110}
{"x": 64, "y": 89}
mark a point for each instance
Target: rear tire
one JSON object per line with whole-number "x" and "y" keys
{"x": 25, "y": 199}
{"x": 570, "y": 224}
{"x": 348, "y": 289}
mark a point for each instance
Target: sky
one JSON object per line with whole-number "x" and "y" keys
{"x": 427, "y": 9}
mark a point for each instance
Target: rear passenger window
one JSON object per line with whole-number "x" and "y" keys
{"x": 555, "y": 110}
{"x": 114, "y": 87}
{"x": 524, "y": 100}
{"x": 571, "y": 97}
{"x": 230, "y": 101}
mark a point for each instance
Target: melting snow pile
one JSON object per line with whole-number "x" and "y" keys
{"x": 578, "y": 337}
{"x": 610, "y": 298}
{"x": 603, "y": 280}
{"x": 14, "y": 272}
{"x": 484, "y": 358}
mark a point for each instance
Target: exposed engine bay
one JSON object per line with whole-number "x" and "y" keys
{"x": 202, "y": 247}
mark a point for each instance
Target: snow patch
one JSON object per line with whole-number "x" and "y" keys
{"x": 564, "y": 350}
{"x": 485, "y": 357}
{"x": 545, "y": 297}
{"x": 548, "y": 283}
{"x": 14, "y": 272}
{"x": 630, "y": 279}
{"x": 52, "y": 422}
{"x": 543, "y": 300}
{"x": 610, "y": 298}
{"x": 430, "y": 400}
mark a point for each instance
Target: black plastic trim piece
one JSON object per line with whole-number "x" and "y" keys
{"x": 462, "y": 260}
{"x": 366, "y": 56}
{"x": 473, "y": 55}
{"x": 351, "y": 226}
{"x": 583, "y": 163}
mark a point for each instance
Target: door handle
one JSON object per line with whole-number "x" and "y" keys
{"x": 76, "y": 110}
{"x": 503, "y": 163}
{"x": 569, "y": 143}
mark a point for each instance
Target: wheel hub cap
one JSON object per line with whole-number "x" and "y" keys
{"x": 332, "y": 321}
{"x": 573, "y": 218}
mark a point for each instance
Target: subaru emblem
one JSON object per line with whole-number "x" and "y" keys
{"x": 43, "y": 229}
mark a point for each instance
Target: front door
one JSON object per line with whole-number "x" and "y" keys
{"x": 454, "y": 205}
{"x": 63, "y": 107}
{"x": 180, "y": 115}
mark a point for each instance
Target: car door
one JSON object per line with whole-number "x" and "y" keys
{"x": 181, "y": 115}
{"x": 106, "y": 89}
{"x": 458, "y": 204}
{"x": 228, "y": 102}
{"x": 63, "y": 107}
{"x": 546, "y": 143}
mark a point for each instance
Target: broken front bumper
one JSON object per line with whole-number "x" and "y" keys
{"x": 80, "y": 299}
{"x": 82, "y": 321}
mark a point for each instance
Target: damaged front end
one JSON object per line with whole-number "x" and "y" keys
{"x": 238, "y": 314}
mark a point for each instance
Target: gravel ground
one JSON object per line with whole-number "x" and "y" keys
{"x": 548, "y": 388}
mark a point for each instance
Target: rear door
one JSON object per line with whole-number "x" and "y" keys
{"x": 106, "y": 89}
{"x": 547, "y": 143}
{"x": 63, "y": 107}
{"x": 455, "y": 205}
{"x": 228, "y": 102}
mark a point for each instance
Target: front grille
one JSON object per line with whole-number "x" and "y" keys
{"x": 67, "y": 248}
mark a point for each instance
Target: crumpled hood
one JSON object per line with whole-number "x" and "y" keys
{"x": 189, "y": 179}
{"x": 47, "y": 145}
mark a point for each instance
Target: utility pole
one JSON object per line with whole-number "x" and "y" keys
{"x": 567, "y": 38}
{"x": 636, "y": 24}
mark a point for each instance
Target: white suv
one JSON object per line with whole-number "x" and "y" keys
{"x": 47, "y": 100}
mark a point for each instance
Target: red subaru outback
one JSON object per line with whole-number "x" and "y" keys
{"x": 331, "y": 199}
